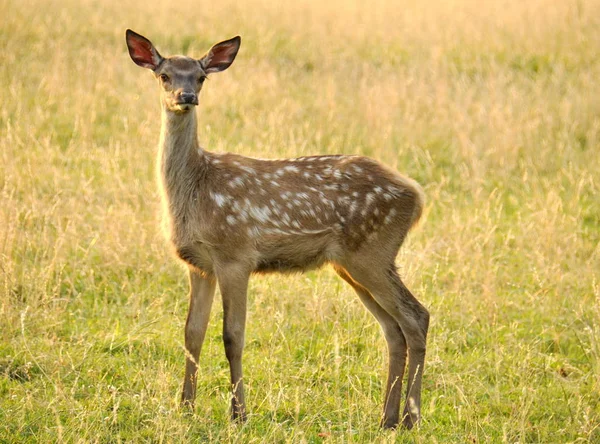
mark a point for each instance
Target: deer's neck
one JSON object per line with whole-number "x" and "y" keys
{"x": 180, "y": 159}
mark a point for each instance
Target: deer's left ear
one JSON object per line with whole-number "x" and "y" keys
{"x": 221, "y": 56}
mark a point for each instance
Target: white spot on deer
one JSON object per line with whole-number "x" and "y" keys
{"x": 219, "y": 199}
{"x": 387, "y": 197}
{"x": 306, "y": 174}
{"x": 267, "y": 176}
{"x": 296, "y": 224}
{"x": 291, "y": 169}
{"x": 343, "y": 200}
{"x": 274, "y": 231}
{"x": 231, "y": 219}
{"x": 253, "y": 231}
{"x": 237, "y": 182}
{"x": 248, "y": 169}
{"x": 297, "y": 202}
{"x": 279, "y": 173}
{"x": 377, "y": 189}
{"x": 337, "y": 174}
{"x": 243, "y": 216}
{"x": 376, "y": 212}
{"x": 353, "y": 207}
{"x": 355, "y": 194}
{"x": 286, "y": 218}
{"x": 369, "y": 198}
{"x": 261, "y": 214}
{"x": 388, "y": 219}
{"x": 318, "y": 177}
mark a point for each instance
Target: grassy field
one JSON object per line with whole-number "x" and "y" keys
{"x": 494, "y": 107}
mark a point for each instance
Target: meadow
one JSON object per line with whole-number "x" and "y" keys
{"x": 493, "y": 106}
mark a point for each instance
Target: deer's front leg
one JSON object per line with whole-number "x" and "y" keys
{"x": 233, "y": 282}
{"x": 202, "y": 290}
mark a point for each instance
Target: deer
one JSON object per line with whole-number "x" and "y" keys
{"x": 230, "y": 217}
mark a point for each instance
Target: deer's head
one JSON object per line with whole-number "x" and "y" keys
{"x": 181, "y": 77}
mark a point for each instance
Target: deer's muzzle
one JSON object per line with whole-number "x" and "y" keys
{"x": 187, "y": 98}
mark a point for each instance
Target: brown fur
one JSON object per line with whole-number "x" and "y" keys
{"x": 230, "y": 216}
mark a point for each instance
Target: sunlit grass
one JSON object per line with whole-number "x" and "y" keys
{"x": 492, "y": 106}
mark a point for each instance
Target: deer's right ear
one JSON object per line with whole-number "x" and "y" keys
{"x": 142, "y": 51}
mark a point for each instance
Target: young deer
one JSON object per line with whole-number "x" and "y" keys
{"x": 230, "y": 216}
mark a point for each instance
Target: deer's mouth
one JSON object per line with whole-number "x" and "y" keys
{"x": 184, "y": 106}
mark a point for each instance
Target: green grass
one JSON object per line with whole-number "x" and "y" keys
{"x": 492, "y": 106}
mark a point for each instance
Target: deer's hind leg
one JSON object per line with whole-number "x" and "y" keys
{"x": 392, "y": 296}
{"x": 396, "y": 351}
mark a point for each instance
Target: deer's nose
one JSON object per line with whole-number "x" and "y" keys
{"x": 189, "y": 98}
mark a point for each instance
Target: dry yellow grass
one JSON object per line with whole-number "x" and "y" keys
{"x": 494, "y": 107}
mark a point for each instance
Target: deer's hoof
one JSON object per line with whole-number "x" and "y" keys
{"x": 389, "y": 423}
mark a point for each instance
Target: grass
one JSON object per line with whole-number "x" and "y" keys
{"x": 492, "y": 106}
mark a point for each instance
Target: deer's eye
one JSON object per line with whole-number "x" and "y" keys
{"x": 201, "y": 80}
{"x": 164, "y": 78}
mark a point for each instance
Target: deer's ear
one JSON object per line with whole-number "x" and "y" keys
{"x": 142, "y": 51}
{"x": 221, "y": 55}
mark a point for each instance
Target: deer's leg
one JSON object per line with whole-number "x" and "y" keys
{"x": 202, "y": 290}
{"x": 233, "y": 283}
{"x": 389, "y": 292}
{"x": 416, "y": 354}
{"x": 396, "y": 351}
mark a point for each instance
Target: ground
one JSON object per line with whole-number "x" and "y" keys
{"x": 491, "y": 106}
